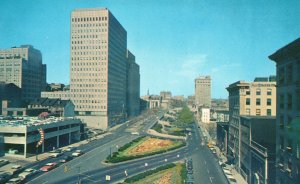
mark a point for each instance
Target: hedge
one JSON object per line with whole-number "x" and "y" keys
{"x": 115, "y": 156}
{"x": 147, "y": 173}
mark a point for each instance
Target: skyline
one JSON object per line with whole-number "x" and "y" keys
{"x": 223, "y": 40}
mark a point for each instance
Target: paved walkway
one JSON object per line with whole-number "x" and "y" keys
{"x": 155, "y": 133}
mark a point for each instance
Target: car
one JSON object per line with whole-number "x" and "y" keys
{"x": 65, "y": 159}
{"x": 48, "y": 167}
{"x": 16, "y": 167}
{"x": 55, "y": 155}
{"x": 135, "y": 133}
{"x": 4, "y": 177}
{"x": 27, "y": 173}
{"x": 12, "y": 151}
{"x": 14, "y": 181}
{"x": 3, "y": 162}
{"x": 77, "y": 153}
{"x": 69, "y": 148}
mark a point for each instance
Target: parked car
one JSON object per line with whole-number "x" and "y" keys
{"x": 48, "y": 167}
{"x": 14, "y": 181}
{"x": 13, "y": 151}
{"x": 27, "y": 173}
{"x": 16, "y": 167}
{"x": 65, "y": 159}
{"x": 69, "y": 148}
{"x": 57, "y": 154}
{"x": 3, "y": 162}
{"x": 77, "y": 153}
{"x": 4, "y": 177}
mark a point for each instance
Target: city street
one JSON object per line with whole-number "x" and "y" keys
{"x": 89, "y": 168}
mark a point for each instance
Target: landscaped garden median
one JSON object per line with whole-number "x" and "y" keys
{"x": 142, "y": 147}
{"x": 167, "y": 174}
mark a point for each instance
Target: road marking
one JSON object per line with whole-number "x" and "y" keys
{"x": 210, "y": 178}
{"x": 205, "y": 162}
{"x": 207, "y": 171}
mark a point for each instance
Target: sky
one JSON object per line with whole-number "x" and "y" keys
{"x": 174, "y": 41}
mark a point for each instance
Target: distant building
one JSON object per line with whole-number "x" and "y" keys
{"x": 153, "y": 101}
{"x": 179, "y": 97}
{"x": 56, "y": 107}
{"x": 10, "y": 93}
{"x": 64, "y": 95}
{"x": 166, "y": 95}
{"x": 191, "y": 101}
{"x": 204, "y": 113}
{"x": 203, "y": 91}
{"x": 250, "y": 99}
{"x": 219, "y": 115}
{"x": 55, "y": 87}
{"x": 288, "y": 111}
{"x": 258, "y": 145}
{"x": 23, "y": 67}
{"x": 133, "y": 86}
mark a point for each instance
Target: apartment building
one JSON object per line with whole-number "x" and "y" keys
{"x": 256, "y": 98}
{"x": 23, "y": 67}
{"x": 287, "y": 61}
{"x": 132, "y": 86}
{"x": 98, "y": 67}
{"x": 203, "y": 91}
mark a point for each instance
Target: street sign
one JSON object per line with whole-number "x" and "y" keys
{"x": 146, "y": 164}
{"x": 107, "y": 177}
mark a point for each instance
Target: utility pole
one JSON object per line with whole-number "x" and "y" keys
{"x": 79, "y": 180}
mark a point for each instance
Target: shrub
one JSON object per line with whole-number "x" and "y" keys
{"x": 147, "y": 173}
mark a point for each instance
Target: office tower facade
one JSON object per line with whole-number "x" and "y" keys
{"x": 203, "y": 91}
{"x": 288, "y": 112}
{"x": 133, "y": 86}
{"x": 98, "y": 67}
{"x": 247, "y": 99}
{"x": 23, "y": 67}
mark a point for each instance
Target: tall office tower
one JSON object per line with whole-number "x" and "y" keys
{"x": 288, "y": 112}
{"x": 23, "y": 67}
{"x": 256, "y": 98}
{"x": 98, "y": 67}
{"x": 203, "y": 91}
{"x": 133, "y": 86}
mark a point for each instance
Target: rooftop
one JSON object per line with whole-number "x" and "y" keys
{"x": 29, "y": 121}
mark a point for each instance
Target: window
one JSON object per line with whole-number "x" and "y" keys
{"x": 289, "y": 73}
{"x": 269, "y": 92}
{"x": 269, "y": 112}
{"x": 269, "y": 101}
{"x": 281, "y": 102}
{"x": 248, "y": 93}
{"x": 258, "y": 101}
{"x": 247, "y": 101}
{"x": 257, "y": 112}
{"x": 281, "y": 74}
{"x": 289, "y": 101}
{"x": 281, "y": 122}
{"x": 247, "y": 111}
{"x": 258, "y": 92}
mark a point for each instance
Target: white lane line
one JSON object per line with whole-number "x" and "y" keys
{"x": 207, "y": 171}
{"x": 205, "y": 162}
{"x": 210, "y": 178}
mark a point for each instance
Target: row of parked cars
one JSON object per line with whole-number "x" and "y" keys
{"x": 6, "y": 177}
{"x": 189, "y": 168}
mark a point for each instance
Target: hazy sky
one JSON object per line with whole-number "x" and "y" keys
{"x": 173, "y": 41}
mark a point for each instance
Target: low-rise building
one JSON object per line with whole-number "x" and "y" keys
{"x": 56, "y": 107}
{"x": 204, "y": 114}
{"x": 64, "y": 95}
{"x": 257, "y": 151}
{"x": 20, "y": 136}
